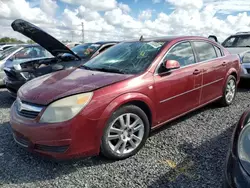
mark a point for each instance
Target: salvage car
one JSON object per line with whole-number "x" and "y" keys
{"x": 62, "y": 56}
{"x": 238, "y": 159}
{"x": 111, "y": 103}
{"x": 239, "y": 43}
{"x": 18, "y": 54}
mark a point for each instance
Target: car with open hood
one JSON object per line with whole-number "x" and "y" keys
{"x": 18, "y": 54}
{"x": 63, "y": 57}
{"x": 238, "y": 43}
{"x": 111, "y": 103}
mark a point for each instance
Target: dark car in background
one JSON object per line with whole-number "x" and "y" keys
{"x": 63, "y": 57}
{"x": 14, "y": 56}
{"x": 237, "y": 172}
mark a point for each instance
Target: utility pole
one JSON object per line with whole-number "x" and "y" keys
{"x": 82, "y": 32}
{"x": 72, "y": 33}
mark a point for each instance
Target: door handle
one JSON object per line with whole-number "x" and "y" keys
{"x": 224, "y": 64}
{"x": 196, "y": 71}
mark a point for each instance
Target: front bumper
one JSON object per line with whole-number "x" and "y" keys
{"x": 245, "y": 70}
{"x": 13, "y": 85}
{"x": 72, "y": 139}
{"x": 2, "y": 75}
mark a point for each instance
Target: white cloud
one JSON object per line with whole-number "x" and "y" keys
{"x": 186, "y": 4}
{"x": 116, "y": 17}
{"x": 49, "y": 7}
{"x": 88, "y": 14}
{"x": 125, "y": 8}
{"x": 116, "y": 21}
{"x": 96, "y": 5}
{"x": 13, "y": 9}
{"x": 145, "y": 14}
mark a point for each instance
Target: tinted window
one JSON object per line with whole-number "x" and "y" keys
{"x": 126, "y": 57}
{"x": 183, "y": 53}
{"x": 85, "y": 50}
{"x": 205, "y": 51}
{"x": 218, "y": 51}
{"x": 237, "y": 41}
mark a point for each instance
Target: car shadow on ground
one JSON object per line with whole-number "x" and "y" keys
{"x": 209, "y": 156}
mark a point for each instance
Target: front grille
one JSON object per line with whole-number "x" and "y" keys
{"x": 27, "y": 110}
{"x": 28, "y": 114}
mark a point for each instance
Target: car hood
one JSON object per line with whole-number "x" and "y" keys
{"x": 238, "y": 50}
{"x": 39, "y": 36}
{"x": 45, "y": 89}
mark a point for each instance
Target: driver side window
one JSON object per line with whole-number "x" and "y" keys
{"x": 183, "y": 53}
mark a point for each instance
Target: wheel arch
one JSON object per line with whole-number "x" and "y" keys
{"x": 137, "y": 99}
{"x": 234, "y": 73}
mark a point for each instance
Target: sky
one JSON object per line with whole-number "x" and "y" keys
{"x": 127, "y": 19}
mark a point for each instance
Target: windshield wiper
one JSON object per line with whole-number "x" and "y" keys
{"x": 86, "y": 67}
{"x": 109, "y": 70}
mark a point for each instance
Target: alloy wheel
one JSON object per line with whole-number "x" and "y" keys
{"x": 230, "y": 90}
{"x": 125, "y": 133}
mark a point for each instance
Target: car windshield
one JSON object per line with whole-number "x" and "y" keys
{"x": 7, "y": 52}
{"x": 85, "y": 50}
{"x": 237, "y": 41}
{"x": 126, "y": 58}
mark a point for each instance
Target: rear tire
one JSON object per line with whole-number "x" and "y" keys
{"x": 125, "y": 133}
{"x": 229, "y": 92}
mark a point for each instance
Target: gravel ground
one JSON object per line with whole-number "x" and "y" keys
{"x": 189, "y": 152}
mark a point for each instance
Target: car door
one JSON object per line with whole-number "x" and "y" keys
{"x": 214, "y": 70}
{"x": 178, "y": 91}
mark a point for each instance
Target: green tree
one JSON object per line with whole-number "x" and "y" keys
{"x": 30, "y": 42}
{"x": 10, "y": 40}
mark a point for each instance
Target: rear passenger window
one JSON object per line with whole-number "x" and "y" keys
{"x": 218, "y": 51}
{"x": 205, "y": 51}
{"x": 183, "y": 53}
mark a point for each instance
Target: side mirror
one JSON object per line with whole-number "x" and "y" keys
{"x": 171, "y": 64}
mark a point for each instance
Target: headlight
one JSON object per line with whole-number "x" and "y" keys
{"x": 246, "y": 58}
{"x": 17, "y": 67}
{"x": 66, "y": 108}
{"x": 243, "y": 146}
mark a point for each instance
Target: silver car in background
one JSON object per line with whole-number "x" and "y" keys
{"x": 14, "y": 56}
{"x": 239, "y": 43}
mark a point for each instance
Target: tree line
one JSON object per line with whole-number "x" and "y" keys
{"x": 16, "y": 41}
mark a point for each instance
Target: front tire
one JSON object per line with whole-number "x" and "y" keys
{"x": 229, "y": 92}
{"x": 125, "y": 133}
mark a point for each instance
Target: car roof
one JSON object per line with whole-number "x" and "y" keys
{"x": 105, "y": 42}
{"x": 169, "y": 38}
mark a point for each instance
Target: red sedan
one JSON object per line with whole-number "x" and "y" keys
{"x": 111, "y": 103}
